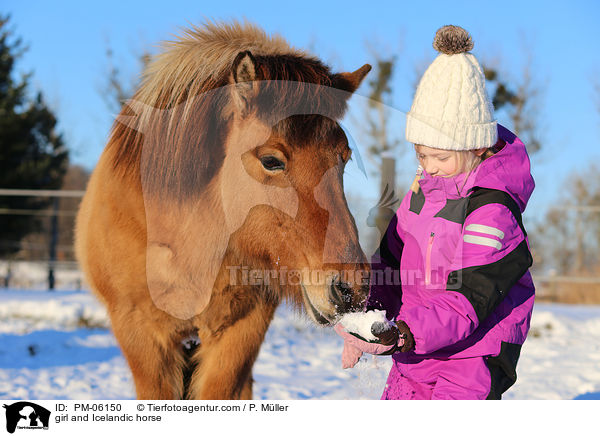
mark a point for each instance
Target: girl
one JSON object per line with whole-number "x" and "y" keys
{"x": 463, "y": 309}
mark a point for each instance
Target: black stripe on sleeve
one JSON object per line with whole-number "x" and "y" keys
{"x": 486, "y": 285}
{"x": 482, "y": 196}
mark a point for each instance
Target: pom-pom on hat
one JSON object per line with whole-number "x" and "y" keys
{"x": 451, "y": 109}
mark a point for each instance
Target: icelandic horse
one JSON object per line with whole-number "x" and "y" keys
{"x": 220, "y": 194}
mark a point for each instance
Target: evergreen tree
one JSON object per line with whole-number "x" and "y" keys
{"x": 32, "y": 153}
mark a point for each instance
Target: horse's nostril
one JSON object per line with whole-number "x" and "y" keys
{"x": 341, "y": 295}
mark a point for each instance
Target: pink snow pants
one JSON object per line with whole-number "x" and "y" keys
{"x": 432, "y": 379}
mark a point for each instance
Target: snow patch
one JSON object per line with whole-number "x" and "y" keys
{"x": 45, "y": 353}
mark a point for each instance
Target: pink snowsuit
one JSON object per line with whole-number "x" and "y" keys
{"x": 466, "y": 293}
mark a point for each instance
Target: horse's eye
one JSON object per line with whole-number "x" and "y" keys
{"x": 271, "y": 163}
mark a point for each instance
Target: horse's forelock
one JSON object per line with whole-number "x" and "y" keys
{"x": 306, "y": 130}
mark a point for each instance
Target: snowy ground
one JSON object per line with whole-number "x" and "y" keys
{"x": 57, "y": 346}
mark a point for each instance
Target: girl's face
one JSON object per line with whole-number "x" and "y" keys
{"x": 437, "y": 162}
{"x": 447, "y": 163}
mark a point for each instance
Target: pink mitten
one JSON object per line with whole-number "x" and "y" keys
{"x": 350, "y": 355}
{"x": 354, "y": 347}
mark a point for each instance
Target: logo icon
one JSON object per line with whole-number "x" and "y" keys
{"x": 26, "y": 415}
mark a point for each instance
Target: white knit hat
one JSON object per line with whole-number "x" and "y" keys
{"x": 451, "y": 109}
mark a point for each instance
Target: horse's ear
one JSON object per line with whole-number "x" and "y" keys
{"x": 351, "y": 81}
{"x": 243, "y": 76}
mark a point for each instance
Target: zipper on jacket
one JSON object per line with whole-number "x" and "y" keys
{"x": 428, "y": 259}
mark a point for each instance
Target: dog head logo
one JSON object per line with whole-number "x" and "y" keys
{"x": 26, "y": 415}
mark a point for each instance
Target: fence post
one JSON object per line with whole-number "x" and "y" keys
{"x": 8, "y": 275}
{"x": 53, "y": 242}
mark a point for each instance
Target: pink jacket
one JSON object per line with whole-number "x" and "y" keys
{"x": 463, "y": 259}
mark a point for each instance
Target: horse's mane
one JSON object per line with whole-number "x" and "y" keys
{"x": 177, "y": 119}
{"x": 202, "y": 57}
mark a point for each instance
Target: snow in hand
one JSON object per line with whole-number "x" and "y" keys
{"x": 361, "y": 322}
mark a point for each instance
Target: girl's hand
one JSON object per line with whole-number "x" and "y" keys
{"x": 386, "y": 333}
{"x": 405, "y": 333}
{"x": 396, "y": 333}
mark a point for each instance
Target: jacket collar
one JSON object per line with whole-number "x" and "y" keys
{"x": 450, "y": 188}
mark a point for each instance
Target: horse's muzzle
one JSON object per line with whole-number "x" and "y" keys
{"x": 341, "y": 298}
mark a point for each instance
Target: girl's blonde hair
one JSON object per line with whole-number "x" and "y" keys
{"x": 467, "y": 163}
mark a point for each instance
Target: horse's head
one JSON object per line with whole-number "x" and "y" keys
{"x": 281, "y": 184}
{"x": 236, "y": 141}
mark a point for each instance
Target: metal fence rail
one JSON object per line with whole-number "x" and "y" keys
{"x": 54, "y": 213}
{"x": 22, "y": 274}
{"x": 41, "y": 193}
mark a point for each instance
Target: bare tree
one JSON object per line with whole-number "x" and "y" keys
{"x": 383, "y": 147}
{"x": 115, "y": 88}
{"x": 377, "y": 116}
{"x": 520, "y": 96}
{"x": 525, "y": 109}
{"x": 566, "y": 243}
{"x": 568, "y": 238}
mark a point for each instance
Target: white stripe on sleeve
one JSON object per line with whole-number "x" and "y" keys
{"x": 480, "y": 228}
{"x": 481, "y": 240}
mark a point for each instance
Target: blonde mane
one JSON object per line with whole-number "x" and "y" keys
{"x": 203, "y": 56}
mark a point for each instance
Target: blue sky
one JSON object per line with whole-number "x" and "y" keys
{"x": 67, "y": 42}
